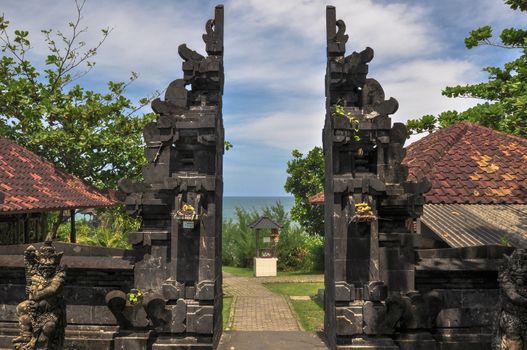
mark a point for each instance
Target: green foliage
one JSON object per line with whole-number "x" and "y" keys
{"x": 134, "y": 296}
{"x": 482, "y": 34}
{"x": 296, "y": 250}
{"x": 238, "y": 271}
{"x": 339, "y": 110}
{"x": 93, "y": 135}
{"x": 425, "y": 123}
{"x": 505, "y": 92}
{"x": 306, "y": 178}
{"x": 310, "y": 314}
{"x": 239, "y": 240}
{"x": 517, "y": 4}
{"x": 111, "y": 230}
{"x": 226, "y": 312}
{"x": 300, "y": 251}
{"x": 295, "y": 288}
{"x": 228, "y": 145}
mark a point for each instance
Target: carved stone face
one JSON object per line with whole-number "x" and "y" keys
{"x": 518, "y": 267}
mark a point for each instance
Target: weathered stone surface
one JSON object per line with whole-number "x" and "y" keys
{"x": 177, "y": 272}
{"x": 511, "y": 324}
{"x": 132, "y": 340}
{"x": 42, "y": 317}
{"x": 349, "y": 319}
{"x": 367, "y": 198}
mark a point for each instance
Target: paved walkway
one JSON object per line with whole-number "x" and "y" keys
{"x": 256, "y": 308}
{"x": 240, "y": 340}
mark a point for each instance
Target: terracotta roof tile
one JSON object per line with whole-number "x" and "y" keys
{"x": 31, "y": 183}
{"x": 489, "y": 163}
{"x": 468, "y": 164}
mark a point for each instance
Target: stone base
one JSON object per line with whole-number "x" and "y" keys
{"x": 8, "y": 331}
{"x": 77, "y": 337}
{"x": 265, "y": 267}
{"x": 133, "y": 341}
{"x": 180, "y": 343}
{"x": 368, "y": 343}
{"x": 457, "y": 339}
{"x": 416, "y": 341}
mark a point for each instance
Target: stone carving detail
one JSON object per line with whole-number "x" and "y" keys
{"x": 42, "y": 317}
{"x": 420, "y": 311}
{"x": 178, "y": 273}
{"x": 367, "y": 202}
{"x": 512, "y": 318}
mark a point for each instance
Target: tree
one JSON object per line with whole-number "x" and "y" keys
{"x": 306, "y": 178}
{"x": 505, "y": 92}
{"x": 95, "y": 136}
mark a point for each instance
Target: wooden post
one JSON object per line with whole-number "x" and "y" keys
{"x": 26, "y": 228}
{"x": 73, "y": 232}
{"x": 257, "y": 243}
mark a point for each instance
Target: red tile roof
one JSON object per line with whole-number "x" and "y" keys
{"x": 30, "y": 183}
{"x": 317, "y": 198}
{"x": 471, "y": 164}
{"x": 468, "y": 164}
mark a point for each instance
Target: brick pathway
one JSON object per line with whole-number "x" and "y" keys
{"x": 256, "y": 308}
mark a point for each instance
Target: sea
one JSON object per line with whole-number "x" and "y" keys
{"x": 249, "y": 203}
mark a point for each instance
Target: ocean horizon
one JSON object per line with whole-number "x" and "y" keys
{"x": 258, "y": 203}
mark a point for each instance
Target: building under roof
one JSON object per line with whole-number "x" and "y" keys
{"x": 479, "y": 186}
{"x": 31, "y": 187}
{"x": 264, "y": 222}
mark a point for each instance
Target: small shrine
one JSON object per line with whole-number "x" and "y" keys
{"x": 265, "y": 259}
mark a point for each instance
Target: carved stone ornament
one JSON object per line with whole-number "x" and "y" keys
{"x": 42, "y": 317}
{"x": 512, "y": 318}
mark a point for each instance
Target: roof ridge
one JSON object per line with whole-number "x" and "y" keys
{"x": 457, "y": 136}
{"x": 425, "y": 164}
{"x": 502, "y": 133}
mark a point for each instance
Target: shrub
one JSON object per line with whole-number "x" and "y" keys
{"x": 111, "y": 230}
{"x": 299, "y": 251}
{"x": 296, "y": 250}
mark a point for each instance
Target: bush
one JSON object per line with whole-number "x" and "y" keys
{"x": 299, "y": 251}
{"x": 111, "y": 230}
{"x": 296, "y": 250}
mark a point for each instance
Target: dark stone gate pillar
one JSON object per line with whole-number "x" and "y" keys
{"x": 177, "y": 301}
{"x": 369, "y": 267}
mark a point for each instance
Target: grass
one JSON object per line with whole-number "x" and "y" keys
{"x": 295, "y": 288}
{"x": 310, "y": 313}
{"x": 226, "y": 312}
{"x": 299, "y": 273}
{"x": 239, "y": 271}
{"x": 248, "y": 272}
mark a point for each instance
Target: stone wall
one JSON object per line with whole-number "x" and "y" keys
{"x": 92, "y": 272}
{"x": 381, "y": 290}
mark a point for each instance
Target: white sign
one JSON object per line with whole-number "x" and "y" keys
{"x": 188, "y": 224}
{"x": 267, "y": 239}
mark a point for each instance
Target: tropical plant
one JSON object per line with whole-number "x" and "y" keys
{"x": 96, "y": 136}
{"x": 111, "y": 229}
{"x": 296, "y": 250}
{"x": 505, "y": 92}
{"x": 305, "y": 179}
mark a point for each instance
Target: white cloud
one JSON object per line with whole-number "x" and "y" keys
{"x": 299, "y": 128}
{"x": 277, "y": 48}
{"x": 417, "y": 86}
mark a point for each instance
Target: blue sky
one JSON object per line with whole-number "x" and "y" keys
{"x": 275, "y": 61}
